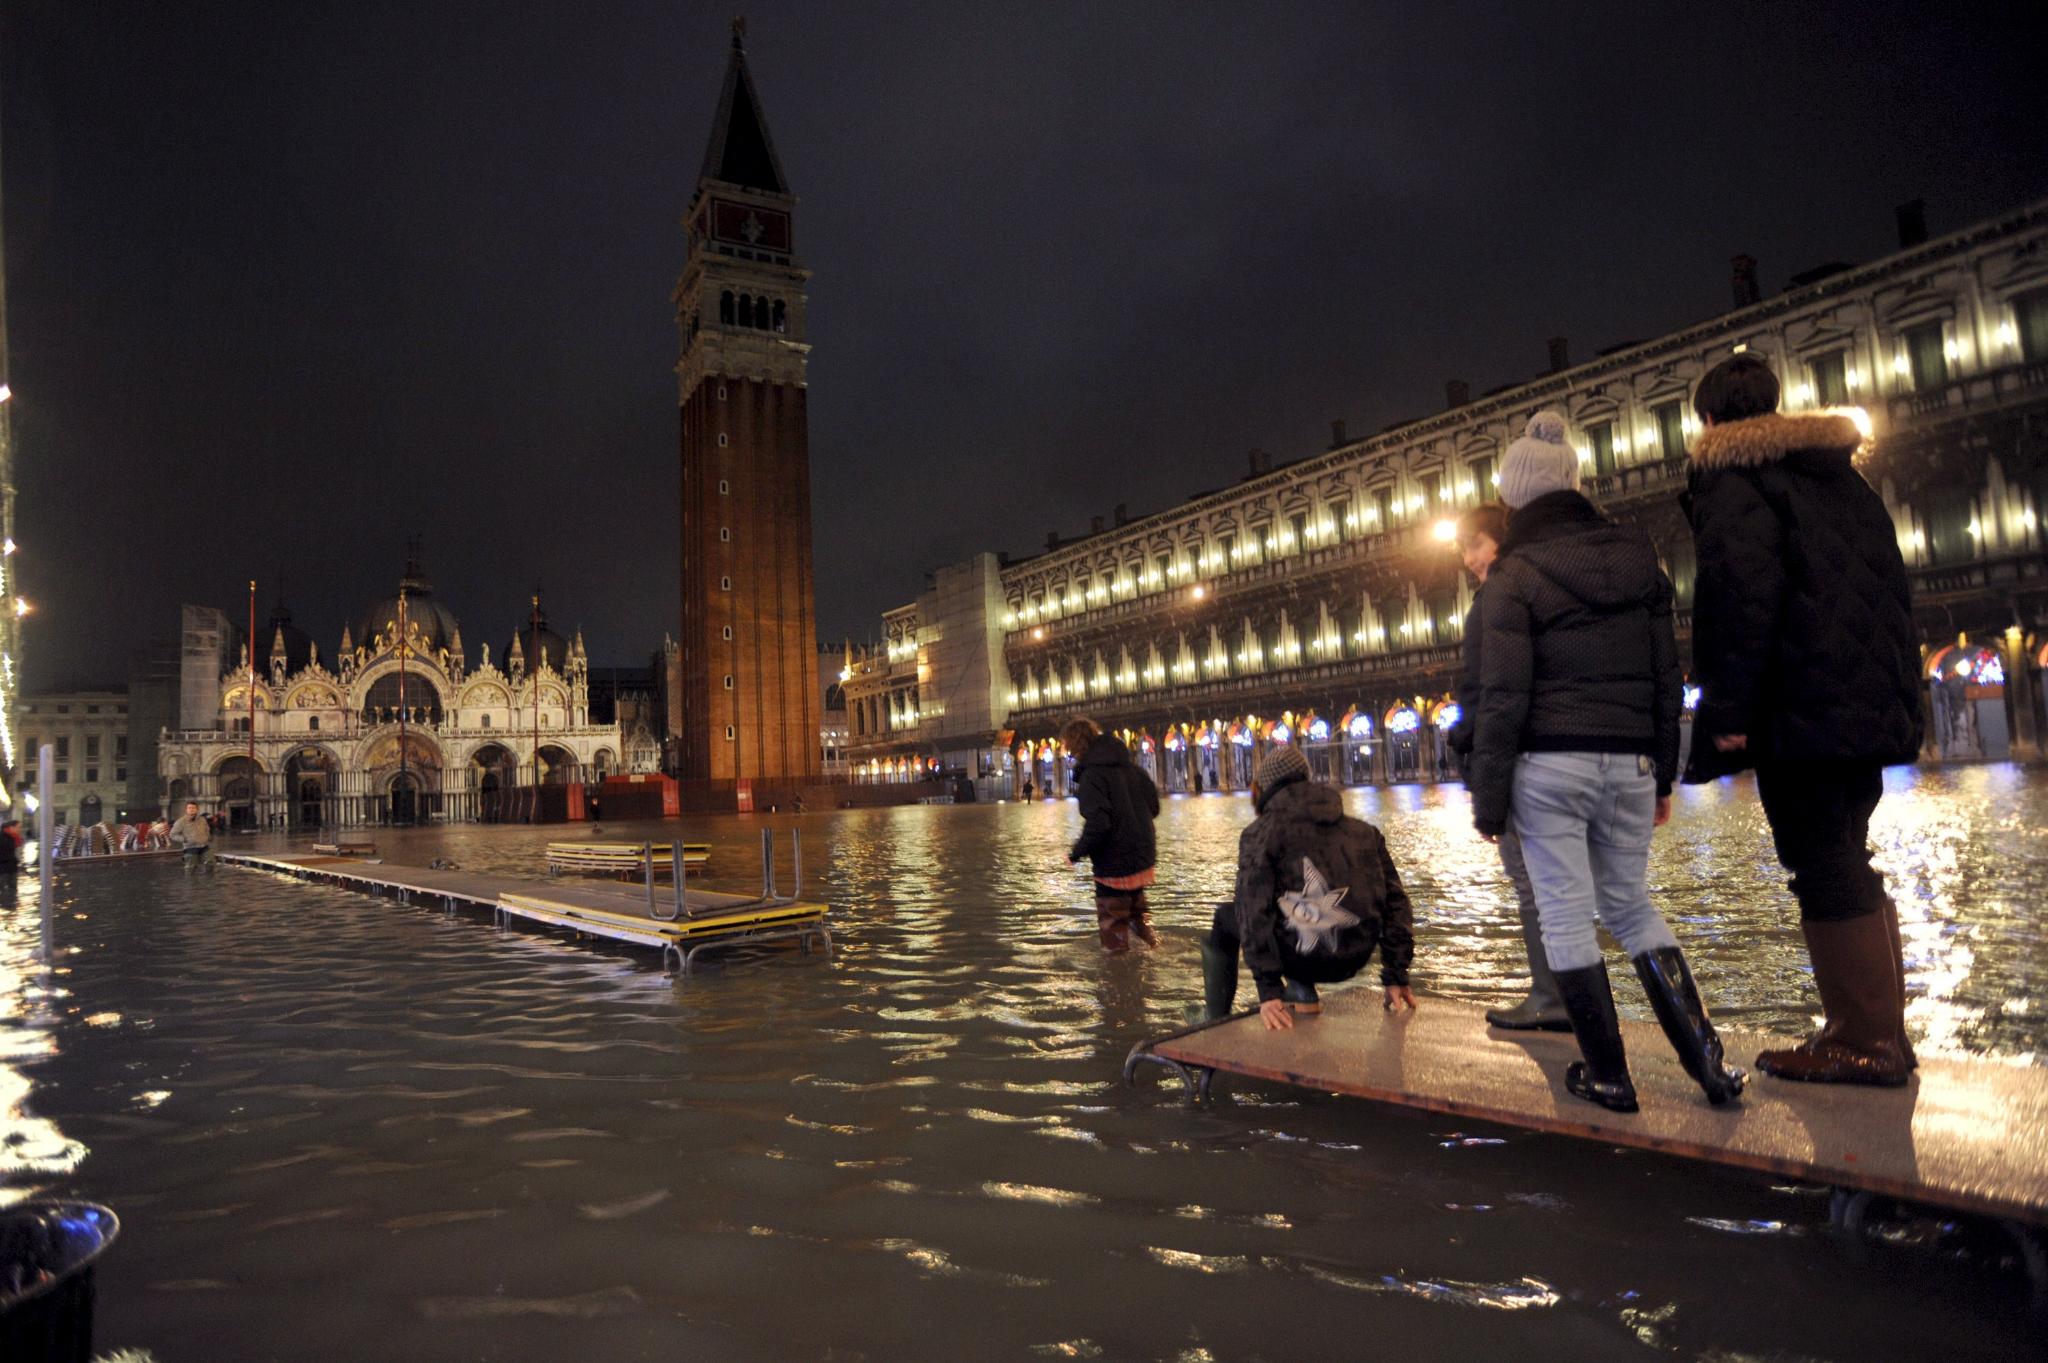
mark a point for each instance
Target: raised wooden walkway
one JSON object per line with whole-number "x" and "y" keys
{"x": 706, "y": 919}
{"x": 1970, "y": 1135}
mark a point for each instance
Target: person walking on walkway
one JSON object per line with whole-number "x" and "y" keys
{"x": 1118, "y": 804}
{"x": 1317, "y": 891}
{"x": 1480, "y": 532}
{"x": 1809, "y": 670}
{"x": 1575, "y": 749}
{"x": 195, "y": 834}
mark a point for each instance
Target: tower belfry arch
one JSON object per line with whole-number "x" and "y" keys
{"x": 749, "y": 702}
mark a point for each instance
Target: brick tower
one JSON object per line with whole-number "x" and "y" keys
{"x": 750, "y": 703}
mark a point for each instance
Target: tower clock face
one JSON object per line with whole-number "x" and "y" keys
{"x": 762, "y": 229}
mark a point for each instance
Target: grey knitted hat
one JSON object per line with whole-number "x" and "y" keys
{"x": 1541, "y": 461}
{"x": 1280, "y": 766}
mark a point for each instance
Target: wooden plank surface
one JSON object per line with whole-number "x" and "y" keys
{"x": 483, "y": 889}
{"x": 1965, "y": 1134}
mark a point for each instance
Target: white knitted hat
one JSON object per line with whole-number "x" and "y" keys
{"x": 1541, "y": 461}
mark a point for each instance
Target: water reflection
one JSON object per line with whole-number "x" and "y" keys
{"x": 334, "y": 1117}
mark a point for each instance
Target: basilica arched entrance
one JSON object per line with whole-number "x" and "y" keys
{"x": 239, "y": 779}
{"x": 405, "y": 783}
{"x": 496, "y": 776}
{"x": 309, "y": 781}
{"x": 89, "y": 811}
{"x": 558, "y": 766}
{"x": 404, "y": 798}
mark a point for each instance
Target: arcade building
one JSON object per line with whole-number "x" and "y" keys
{"x": 1320, "y": 601}
{"x": 398, "y": 725}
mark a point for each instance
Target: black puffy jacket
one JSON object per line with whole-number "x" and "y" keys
{"x": 1803, "y": 635}
{"x": 1118, "y": 804}
{"x": 1304, "y": 822}
{"x": 1576, "y": 652}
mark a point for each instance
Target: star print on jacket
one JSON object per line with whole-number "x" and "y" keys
{"x": 1313, "y": 912}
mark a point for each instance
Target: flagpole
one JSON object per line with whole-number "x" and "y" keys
{"x": 403, "y": 780}
{"x": 254, "y": 770}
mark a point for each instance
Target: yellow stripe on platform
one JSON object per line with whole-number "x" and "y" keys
{"x": 680, "y": 930}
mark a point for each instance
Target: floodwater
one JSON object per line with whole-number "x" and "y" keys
{"x": 336, "y": 1127}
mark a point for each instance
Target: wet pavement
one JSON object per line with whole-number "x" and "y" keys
{"x": 338, "y": 1127}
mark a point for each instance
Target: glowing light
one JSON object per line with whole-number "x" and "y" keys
{"x": 8, "y": 547}
{"x": 1862, "y": 420}
{"x": 1692, "y": 698}
{"x": 1403, "y": 721}
{"x": 1361, "y": 726}
{"x": 2007, "y": 335}
{"x": 1900, "y": 366}
{"x": 1038, "y": 632}
{"x": 1445, "y": 531}
{"x": 1449, "y": 714}
{"x": 1318, "y": 730}
{"x": 845, "y": 673}
{"x": 22, "y": 608}
{"x": 1199, "y": 592}
{"x": 5, "y": 392}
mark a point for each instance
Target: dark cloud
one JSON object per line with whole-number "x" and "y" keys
{"x": 289, "y": 283}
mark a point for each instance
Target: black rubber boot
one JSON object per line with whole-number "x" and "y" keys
{"x": 1676, "y": 999}
{"x": 1300, "y": 997}
{"x": 1602, "y": 1077}
{"x": 1219, "y": 981}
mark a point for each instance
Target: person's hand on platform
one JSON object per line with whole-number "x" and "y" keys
{"x": 1663, "y": 814}
{"x": 1731, "y": 742}
{"x": 1397, "y": 996}
{"x": 1276, "y": 1015}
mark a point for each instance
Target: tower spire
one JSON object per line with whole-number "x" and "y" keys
{"x": 740, "y": 151}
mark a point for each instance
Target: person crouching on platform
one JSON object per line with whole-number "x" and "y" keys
{"x": 1480, "y": 532}
{"x": 1316, "y": 892}
{"x": 1118, "y": 804}
{"x": 1809, "y": 668}
{"x": 1575, "y": 748}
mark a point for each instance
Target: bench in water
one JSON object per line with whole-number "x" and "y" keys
{"x": 626, "y": 858}
{"x": 1968, "y": 1135}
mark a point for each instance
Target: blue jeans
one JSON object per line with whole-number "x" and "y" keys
{"x": 1584, "y": 819}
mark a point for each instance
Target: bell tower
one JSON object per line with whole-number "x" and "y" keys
{"x": 750, "y": 702}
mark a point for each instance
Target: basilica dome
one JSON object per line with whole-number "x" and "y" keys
{"x": 551, "y": 645}
{"x": 434, "y": 623}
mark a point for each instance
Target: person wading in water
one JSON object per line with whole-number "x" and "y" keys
{"x": 1118, "y": 804}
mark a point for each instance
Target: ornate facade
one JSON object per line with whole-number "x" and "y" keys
{"x": 1320, "y": 601}
{"x": 398, "y": 726}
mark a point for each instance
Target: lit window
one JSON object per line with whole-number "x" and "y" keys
{"x": 1830, "y": 378}
{"x": 1670, "y": 418}
{"x": 1600, "y": 439}
{"x": 1926, "y": 356}
{"x": 725, "y": 584}
{"x": 728, "y": 733}
{"x": 728, "y": 681}
{"x": 723, "y": 487}
{"x": 721, "y": 440}
{"x": 726, "y": 632}
{"x": 724, "y": 535}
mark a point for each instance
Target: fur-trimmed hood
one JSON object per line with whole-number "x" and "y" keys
{"x": 1769, "y": 439}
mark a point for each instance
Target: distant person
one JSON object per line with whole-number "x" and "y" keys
{"x": 1480, "y": 532}
{"x": 1316, "y": 893}
{"x": 1118, "y": 804}
{"x": 1575, "y": 747}
{"x": 1809, "y": 670}
{"x": 194, "y": 833}
{"x": 1029, "y": 791}
{"x": 11, "y": 841}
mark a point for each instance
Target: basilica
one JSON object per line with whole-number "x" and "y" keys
{"x": 398, "y": 725}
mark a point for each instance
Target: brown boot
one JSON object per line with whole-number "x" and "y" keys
{"x": 1852, "y": 967}
{"x": 1113, "y": 921}
{"x": 1141, "y": 920}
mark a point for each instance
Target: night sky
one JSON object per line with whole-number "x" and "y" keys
{"x": 288, "y": 283}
